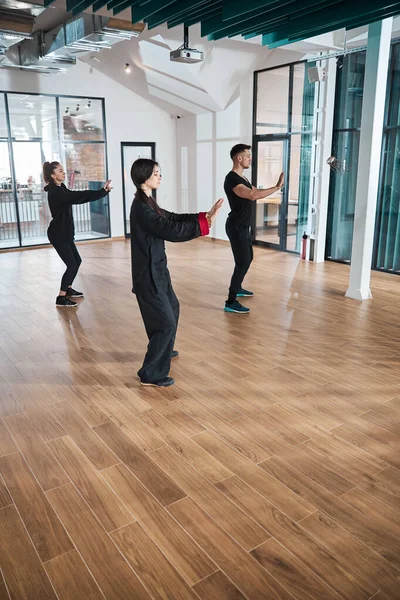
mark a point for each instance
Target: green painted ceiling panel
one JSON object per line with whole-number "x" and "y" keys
{"x": 195, "y": 16}
{"x": 180, "y": 8}
{"x": 280, "y": 21}
{"x": 328, "y": 19}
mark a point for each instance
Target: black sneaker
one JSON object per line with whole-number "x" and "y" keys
{"x": 65, "y": 302}
{"x": 166, "y": 382}
{"x": 174, "y": 354}
{"x": 71, "y": 293}
{"x": 244, "y": 293}
{"x": 236, "y": 307}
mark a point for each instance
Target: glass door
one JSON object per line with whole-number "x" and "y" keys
{"x": 9, "y": 237}
{"x": 131, "y": 151}
{"x": 270, "y": 214}
{"x": 34, "y": 215}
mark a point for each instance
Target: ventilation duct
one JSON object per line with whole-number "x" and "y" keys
{"x": 57, "y": 49}
{"x": 16, "y": 23}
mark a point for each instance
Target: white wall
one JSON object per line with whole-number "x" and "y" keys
{"x": 207, "y": 139}
{"x": 129, "y": 118}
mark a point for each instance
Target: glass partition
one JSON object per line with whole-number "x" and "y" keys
{"x": 70, "y": 130}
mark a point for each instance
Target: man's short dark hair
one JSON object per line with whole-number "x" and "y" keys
{"x": 238, "y": 149}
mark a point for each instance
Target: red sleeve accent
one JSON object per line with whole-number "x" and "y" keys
{"x": 204, "y": 228}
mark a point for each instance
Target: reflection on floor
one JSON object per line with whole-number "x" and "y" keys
{"x": 39, "y": 240}
{"x": 270, "y": 234}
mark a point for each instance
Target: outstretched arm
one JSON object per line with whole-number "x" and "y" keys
{"x": 177, "y": 231}
{"x": 81, "y": 197}
{"x": 170, "y": 230}
{"x": 180, "y": 218}
{"x": 254, "y": 194}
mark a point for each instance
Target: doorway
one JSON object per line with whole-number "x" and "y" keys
{"x": 131, "y": 151}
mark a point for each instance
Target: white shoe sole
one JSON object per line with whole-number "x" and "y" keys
{"x": 66, "y": 306}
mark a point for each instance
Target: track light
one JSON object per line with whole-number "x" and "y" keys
{"x": 127, "y": 68}
{"x": 77, "y": 108}
{"x": 67, "y": 110}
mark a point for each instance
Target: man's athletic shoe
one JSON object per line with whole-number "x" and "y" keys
{"x": 174, "y": 354}
{"x": 244, "y": 293}
{"x": 236, "y": 307}
{"x": 71, "y": 293}
{"x": 65, "y": 302}
{"x": 166, "y": 382}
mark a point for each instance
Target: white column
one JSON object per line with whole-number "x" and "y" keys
{"x": 320, "y": 171}
{"x": 376, "y": 70}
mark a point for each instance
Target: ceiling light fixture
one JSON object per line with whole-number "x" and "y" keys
{"x": 127, "y": 68}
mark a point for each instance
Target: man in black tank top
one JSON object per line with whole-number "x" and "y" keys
{"x": 240, "y": 193}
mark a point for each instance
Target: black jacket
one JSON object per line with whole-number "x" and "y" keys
{"x": 148, "y": 232}
{"x": 61, "y": 199}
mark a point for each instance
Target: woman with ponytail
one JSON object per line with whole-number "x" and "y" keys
{"x": 61, "y": 229}
{"x": 151, "y": 226}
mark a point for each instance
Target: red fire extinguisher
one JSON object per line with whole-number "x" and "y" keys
{"x": 304, "y": 246}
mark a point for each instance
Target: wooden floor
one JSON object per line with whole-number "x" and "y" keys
{"x": 271, "y": 470}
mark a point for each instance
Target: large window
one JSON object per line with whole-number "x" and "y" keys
{"x": 35, "y": 128}
{"x": 387, "y": 231}
{"x": 283, "y": 126}
{"x": 345, "y": 146}
{"x": 346, "y": 134}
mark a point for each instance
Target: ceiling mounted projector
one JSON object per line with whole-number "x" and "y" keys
{"x": 184, "y": 54}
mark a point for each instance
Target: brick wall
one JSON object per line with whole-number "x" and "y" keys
{"x": 87, "y": 160}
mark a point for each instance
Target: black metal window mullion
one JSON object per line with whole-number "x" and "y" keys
{"x": 12, "y": 168}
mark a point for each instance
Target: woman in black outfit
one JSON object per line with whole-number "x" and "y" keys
{"x": 159, "y": 307}
{"x": 61, "y": 229}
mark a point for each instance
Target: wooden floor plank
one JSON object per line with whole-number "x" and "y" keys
{"x": 198, "y": 458}
{"x": 380, "y": 512}
{"x": 7, "y": 444}
{"x": 326, "y": 565}
{"x": 107, "y": 507}
{"x": 97, "y": 452}
{"x": 71, "y": 579}
{"x": 144, "y": 437}
{"x": 109, "y": 568}
{"x": 45, "y": 468}
{"x": 365, "y": 442}
{"x": 3, "y": 592}
{"x": 235, "y": 521}
{"x": 255, "y": 477}
{"x": 348, "y": 517}
{"x": 5, "y": 498}
{"x": 251, "y": 579}
{"x": 44, "y": 528}
{"x": 372, "y": 573}
{"x": 243, "y": 444}
{"x": 22, "y": 570}
{"x": 155, "y": 571}
{"x": 188, "y": 559}
{"x": 298, "y": 579}
{"x": 163, "y": 488}
{"x": 217, "y": 587}
{"x": 45, "y": 423}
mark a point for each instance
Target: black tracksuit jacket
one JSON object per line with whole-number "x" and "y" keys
{"x": 149, "y": 231}
{"x": 61, "y": 199}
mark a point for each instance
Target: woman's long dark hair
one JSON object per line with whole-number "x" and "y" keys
{"x": 141, "y": 170}
{"x": 48, "y": 170}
